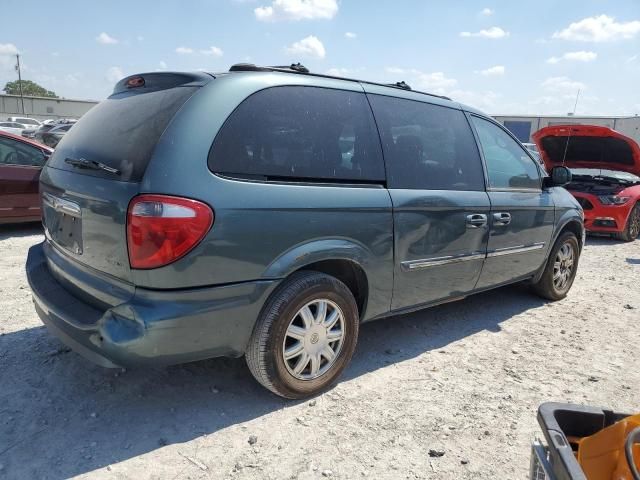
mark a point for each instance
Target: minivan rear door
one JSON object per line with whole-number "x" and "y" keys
{"x": 440, "y": 206}
{"x": 97, "y": 168}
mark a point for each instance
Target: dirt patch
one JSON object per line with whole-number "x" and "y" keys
{"x": 449, "y": 392}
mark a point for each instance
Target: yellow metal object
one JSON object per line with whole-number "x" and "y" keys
{"x": 602, "y": 456}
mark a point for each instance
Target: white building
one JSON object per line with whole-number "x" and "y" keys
{"x": 43, "y": 108}
{"x": 523, "y": 126}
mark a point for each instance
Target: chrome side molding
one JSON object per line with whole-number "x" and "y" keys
{"x": 434, "y": 262}
{"x": 517, "y": 249}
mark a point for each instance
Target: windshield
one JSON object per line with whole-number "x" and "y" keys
{"x": 612, "y": 174}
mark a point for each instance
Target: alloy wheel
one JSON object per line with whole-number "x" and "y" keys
{"x": 313, "y": 339}
{"x": 563, "y": 266}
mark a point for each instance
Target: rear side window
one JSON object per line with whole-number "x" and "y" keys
{"x": 121, "y": 132}
{"x": 300, "y": 133}
{"x": 13, "y": 152}
{"x": 427, "y": 146}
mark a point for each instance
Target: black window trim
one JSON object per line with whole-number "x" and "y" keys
{"x": 306, "y": 181}
{"x": 484, "y": 161}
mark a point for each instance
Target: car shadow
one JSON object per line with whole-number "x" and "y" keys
{"x": 602, "y": 240}
{"x": 61, "y": 416}
{"x": 20, "y": 230}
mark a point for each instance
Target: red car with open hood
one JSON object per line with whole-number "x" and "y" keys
{"x": 21, "y": 161}
{"x": 606, "y": 174}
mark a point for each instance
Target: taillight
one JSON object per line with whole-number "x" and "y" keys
{"x": 161, "y": 229}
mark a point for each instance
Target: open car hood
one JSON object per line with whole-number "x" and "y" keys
{"x": 589, "y": 146}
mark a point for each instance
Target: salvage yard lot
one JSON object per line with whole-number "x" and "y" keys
{"x": 464, "y": 379}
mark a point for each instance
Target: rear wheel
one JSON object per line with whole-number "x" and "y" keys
{"x": 560, "y": 271}
{"x": 632, "y": 228}
{"x": 305, "y": 336}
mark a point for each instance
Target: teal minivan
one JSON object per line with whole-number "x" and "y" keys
{"x": 268, "y": 211}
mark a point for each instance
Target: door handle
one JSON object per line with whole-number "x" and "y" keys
{"x": 476, "y": 220}
{"x": 501, "y": 218}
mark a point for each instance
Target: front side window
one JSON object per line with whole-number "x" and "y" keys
{"x": 300, "y": 133}
{"x": 427, "y": 147}
{"x": 508, "y": 164}
{"x": 17, "y": 153}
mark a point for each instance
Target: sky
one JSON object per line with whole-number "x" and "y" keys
{"x": 504, "y": 57}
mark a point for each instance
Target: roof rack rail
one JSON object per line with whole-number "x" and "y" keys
{"x": 247, "y": 67}
{"x": 296, "y": 67}
{"x": 404, "y": 85}
{"x": 301, "y": 69}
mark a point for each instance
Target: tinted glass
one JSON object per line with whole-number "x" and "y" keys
{"x": 300, "y": 133}
{"x": 13, "y": 152}
{"x": 508, "y": 164}
{"x": 121, "y": 132}
{"x": 427, "y": 146}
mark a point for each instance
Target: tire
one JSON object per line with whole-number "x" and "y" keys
{"x": 632, "y": 228}
{"x": 557, "y": 289}
{"x": 281, "y": 323}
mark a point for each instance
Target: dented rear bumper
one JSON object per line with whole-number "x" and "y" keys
{"x": 132, "y": 326}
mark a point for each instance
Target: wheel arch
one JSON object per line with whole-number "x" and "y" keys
{"x": 343, "y": 259}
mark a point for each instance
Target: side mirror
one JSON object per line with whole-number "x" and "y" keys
{"x": 558, "y": 177}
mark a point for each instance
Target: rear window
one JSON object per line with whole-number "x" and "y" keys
{"x": 300, "y": 133}
{"x": 121, "y": 132}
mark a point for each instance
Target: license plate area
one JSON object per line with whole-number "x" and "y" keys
{"x": 63, "y": 223}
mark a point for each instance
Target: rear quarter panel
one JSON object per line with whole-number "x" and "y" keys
{"x": 264, "y": 231}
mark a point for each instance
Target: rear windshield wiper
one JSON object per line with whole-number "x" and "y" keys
{"x": 91, "y": 164}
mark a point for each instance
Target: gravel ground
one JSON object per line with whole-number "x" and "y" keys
{"x": 464, "y": 379}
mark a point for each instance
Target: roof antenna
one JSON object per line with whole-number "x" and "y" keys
{"x": 566, "y": 146}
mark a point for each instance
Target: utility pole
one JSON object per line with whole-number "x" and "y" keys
{"x": 20, "y": 81}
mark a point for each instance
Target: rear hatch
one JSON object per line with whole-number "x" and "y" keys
{"x": 588, "y": 146}
{"x": 97, "y": 168}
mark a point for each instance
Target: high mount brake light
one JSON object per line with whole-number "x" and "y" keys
{"x": 134, "y": 82}
{"x": 162, "y": 229}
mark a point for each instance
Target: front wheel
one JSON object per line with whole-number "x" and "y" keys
{"x": 561, "y": 268}
{"x": 632, "y": 228}
{"x": 305, "y": 336}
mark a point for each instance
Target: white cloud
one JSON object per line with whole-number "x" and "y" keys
{"x": 601, "y": 28}
{"x": 184, "y": 50}
{"x": 581, "y": 56}
{"x": 310, "y": 46}
{"x": 350, "y": 35}
{"x": 396, "y": 70}
{"x": 482, "y": 100}
{"x": 114, "y": 74}
{"x": 105, "y": 39}
{"x": 297, "y": 10}
{"x": 493, "y": 71}
{"x": 162, "y": 65}
{"x": 342, "y": 72}
{"x": 493, "y": 32}
{"x": 437, "y": 82}
{"x": 8, "y": 49}
{"x": 558, "y": 84}
{"x": 631, "y": 59}
{"x": 140, "y": 38}
{"x": 487, "y": 12}
{"x": 214, "y": 51}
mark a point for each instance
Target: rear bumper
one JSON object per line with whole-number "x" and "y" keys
{"x": 151, "y": 327}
